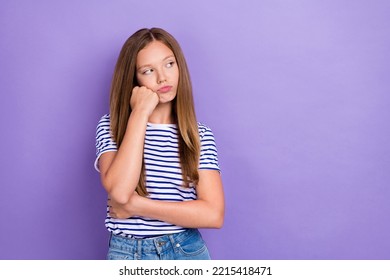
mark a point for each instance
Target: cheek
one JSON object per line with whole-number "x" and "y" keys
{"x": 175, "y": 76}
{"x": 138, "y": 79}
{"x": 142, "y": 80}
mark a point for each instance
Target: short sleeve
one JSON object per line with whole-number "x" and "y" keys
{"x": 104, "y": 141}
{"x": 208, "y": 149}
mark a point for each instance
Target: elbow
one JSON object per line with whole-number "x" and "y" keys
{"x": 119, "y": 198}
{"x": 114, "y": 193}
{"x": 217, "y": 220}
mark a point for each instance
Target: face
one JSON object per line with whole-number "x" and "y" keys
{"x": 157, "y": 70}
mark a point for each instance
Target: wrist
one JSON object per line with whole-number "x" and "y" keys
{"x": 140, "y": 115}
{"x": 138, "y": 205}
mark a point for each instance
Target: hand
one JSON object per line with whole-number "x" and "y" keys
{"x": 124, "y": 211}
{"x": 144, "y": 99}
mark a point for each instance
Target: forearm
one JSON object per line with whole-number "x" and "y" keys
{"x": 190, "y": 214}
{"x": 122, "y": 176}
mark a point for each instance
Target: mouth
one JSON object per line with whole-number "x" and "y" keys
{"x": 164, "y": 89}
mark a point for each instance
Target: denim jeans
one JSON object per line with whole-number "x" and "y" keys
{"x": 186, "y": 245}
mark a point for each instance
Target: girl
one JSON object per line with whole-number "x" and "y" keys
{"x": 157, "y": 164}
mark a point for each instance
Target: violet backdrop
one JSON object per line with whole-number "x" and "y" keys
{"x": 296, "y": 92}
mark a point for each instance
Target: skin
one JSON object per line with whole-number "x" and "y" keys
{"x": 120, "y": 171}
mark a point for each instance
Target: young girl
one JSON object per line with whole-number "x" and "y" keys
{"x": 158, "y": 165}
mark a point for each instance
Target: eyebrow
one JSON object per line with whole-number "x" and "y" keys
{"x": 148, "y": 65}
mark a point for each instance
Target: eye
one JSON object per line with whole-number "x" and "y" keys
{"x": 170, "y": 64}
{"x": 147, "y": 71}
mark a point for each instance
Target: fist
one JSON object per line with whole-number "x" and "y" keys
{"x": 143, "y": 99}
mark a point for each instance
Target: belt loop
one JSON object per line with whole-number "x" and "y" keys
{"x": 158, "y": 244}
{"x": 173, "y": 241}
{"x": 109, "y": 239}
{"x": 138, "y": 249}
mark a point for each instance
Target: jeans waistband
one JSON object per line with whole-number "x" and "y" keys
{"x": 150, "y": 244}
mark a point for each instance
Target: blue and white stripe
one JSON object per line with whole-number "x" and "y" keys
{"x": 163, "y": 173}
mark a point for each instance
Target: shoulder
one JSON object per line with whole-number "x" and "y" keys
{"x": 104, "y": 123}
{"x": 103, "y": 132}
{"x": 103, "y": 126}
{"x": 104, "y": 120}
{"x": 204, "y": 130}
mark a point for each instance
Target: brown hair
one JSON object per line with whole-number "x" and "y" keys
{"x": 123, "y": 82}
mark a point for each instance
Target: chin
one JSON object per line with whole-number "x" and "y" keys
{"x": 166, "y": 99}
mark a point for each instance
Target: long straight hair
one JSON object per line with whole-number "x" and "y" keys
{"x": 123, "y": 82}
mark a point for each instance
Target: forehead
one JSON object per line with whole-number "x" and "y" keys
{"x": 154, "y": 52}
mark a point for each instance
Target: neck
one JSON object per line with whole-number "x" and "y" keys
{"x": 162, "y": 114}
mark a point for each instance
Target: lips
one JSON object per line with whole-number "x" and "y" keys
{"x": 164, "y": 89}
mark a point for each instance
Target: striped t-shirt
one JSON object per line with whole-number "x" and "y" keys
{"x": 163, "y": 173}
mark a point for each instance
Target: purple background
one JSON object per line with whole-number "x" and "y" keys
{"x": 295, "y": 92}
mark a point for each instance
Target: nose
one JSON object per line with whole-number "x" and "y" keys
{"x": 161, "y": 77}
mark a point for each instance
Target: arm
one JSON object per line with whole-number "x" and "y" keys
{"x": 205, "y": 212}
{"x": 120, "y": 171}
